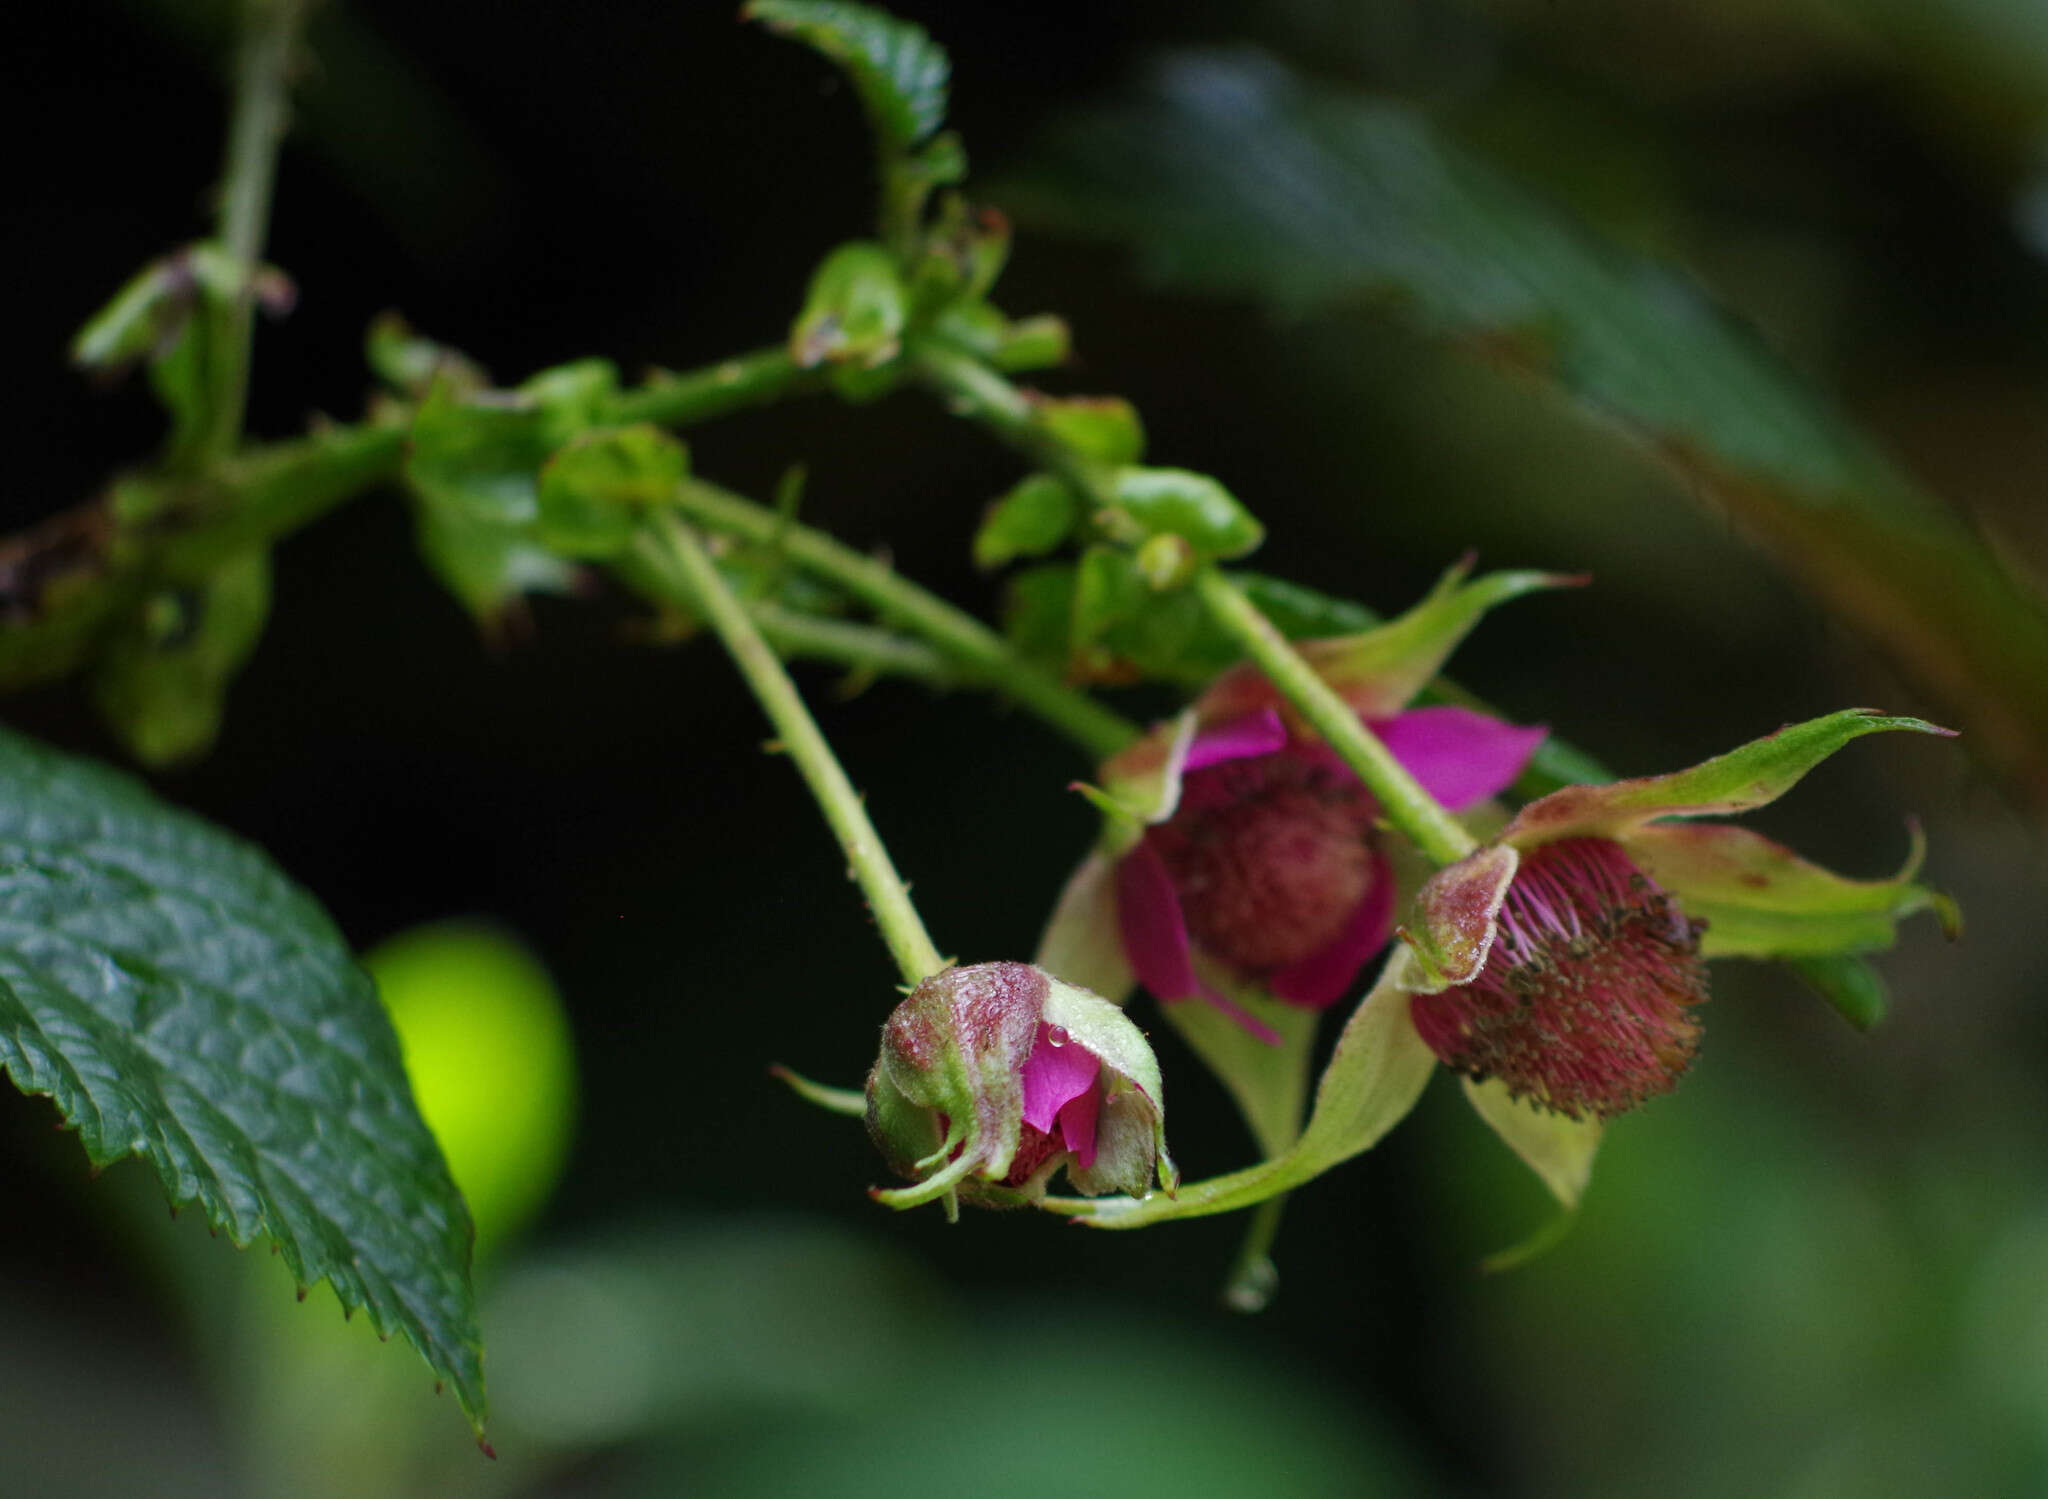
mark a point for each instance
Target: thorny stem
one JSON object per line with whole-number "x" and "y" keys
{"x": 751, "y": 379}
{"x": 959, "y": 635}
{"x": 1404, "y": 800}
{"x": 670, "y": 544}
{"x": 256, "y": 131}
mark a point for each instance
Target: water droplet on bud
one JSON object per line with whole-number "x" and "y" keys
{"x": 1055, "y": 1035}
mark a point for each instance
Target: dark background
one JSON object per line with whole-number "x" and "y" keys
{"x": 652, "y": 182}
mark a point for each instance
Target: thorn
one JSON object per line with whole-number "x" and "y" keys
{"x": 302, "y": 1293}
{"x": 273, "y": 1246}
{"x": 348, "y": 1314}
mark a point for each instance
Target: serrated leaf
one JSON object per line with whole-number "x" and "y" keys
{"x": 180, "y": 1000}
{"x": 1231, "y": 175}
{"x": 898, "y": 70}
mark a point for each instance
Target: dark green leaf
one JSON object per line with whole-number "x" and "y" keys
{"x": 1231, "y": 175}
{"x": 181, "y": 1001}
{"x": 898, "y": 70}
{"x": 1033, "y": 518}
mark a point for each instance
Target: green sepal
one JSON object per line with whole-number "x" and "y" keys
{"x": 596, "y": 490}
{"x": 1374, "y": 1076}
{"x": 1144, "y": 779}
{"x": 1081, "y": 943}
{"x": 854, "y": 312}
{"x": 896, "y": 68}
{"x": 1130, "y": 1143}
{"x": 162, "y": 678}
{"x": 851, "y": 1102}
{"x": 1848, "y": 983}
{"x": 1036, "y": 515}
{"x": 1266, "y": 1076}
{"x": 1558, "y": 1148}
{"x": 1149, "y": 501}
{"x": 1752, "y": 776}
{"x": 1450, "y": 931}
{"x": 1380, "y": 670}
{"x": 1761, "y": 900}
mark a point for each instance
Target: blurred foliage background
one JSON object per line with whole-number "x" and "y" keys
{"x": 1821, "y": 1269}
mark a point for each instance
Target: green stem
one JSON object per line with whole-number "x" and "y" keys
{"x": 1406, "y": 804}
{"x": 670, "y": 544}
{"x": 752, "y": 379}
{"x": 254, "y": 135}
{"x": 960, "y": 636}
{"x": 1253, "y": 1278}
{"x": 863, "y": 649}
{"x": 975, "y": 391}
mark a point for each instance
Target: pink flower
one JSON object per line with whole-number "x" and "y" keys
{"x": 1584, "y": 1002}
{"x": 1562, "y": 960}
{"x": 994, "y": 1077}
{"x": 1271, "y": 863}
{"x": 1239, "y": 850}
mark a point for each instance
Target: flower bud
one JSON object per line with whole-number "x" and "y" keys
{"x": 992, "y": 1078}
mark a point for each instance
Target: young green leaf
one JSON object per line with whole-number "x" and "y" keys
{"x": 1033, "y": 518}
{"x": 180, "y": 1000}
{"x": 898, "y": 70}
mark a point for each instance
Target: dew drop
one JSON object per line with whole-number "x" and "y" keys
{"x": 1055, "y": 1035}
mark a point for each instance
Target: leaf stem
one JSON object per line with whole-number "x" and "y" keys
{"x": 1404, "y": 800}
{"x": 669, "y": 543}
{"x": 255, "y": 132}
{"x": 959, "y": 635}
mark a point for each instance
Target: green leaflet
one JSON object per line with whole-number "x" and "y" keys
{"x": 180, "y": 1000}
{"x": 1231, "y": 175}
{"x": 899, "y": 71}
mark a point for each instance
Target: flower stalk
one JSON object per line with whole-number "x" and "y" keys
{"x": 670, "y": 544}
{"x": 965, "y": 640}
{"x": 1401, "y": 797}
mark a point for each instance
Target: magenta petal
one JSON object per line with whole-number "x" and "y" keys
{"x": 1460, "y": 757}
{"x": 1077, "y": 1125}
{"x": 1257, "y": 733}
{"x": 1155, "y": 933}
{"x": 1326, "y": 975}
{"x": 1057, "y": 1072}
